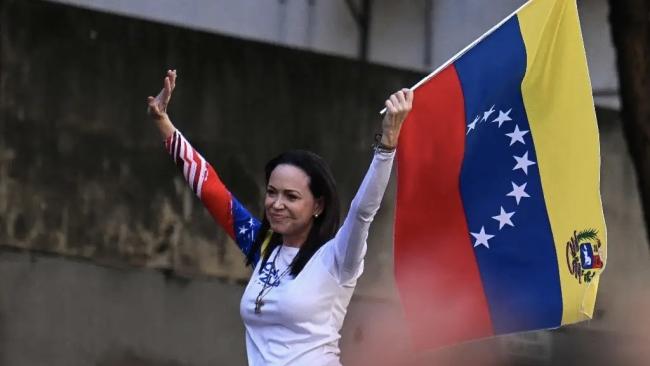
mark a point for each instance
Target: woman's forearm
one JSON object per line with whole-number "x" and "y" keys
{"x": 165, "y": 126}
{"x": 350, "y": 242}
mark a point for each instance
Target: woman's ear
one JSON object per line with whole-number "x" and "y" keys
{"x": 319, "y": 206}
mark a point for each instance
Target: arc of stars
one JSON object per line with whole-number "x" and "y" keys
{"x": 503, "y": 117}
{"x": 504, "y": 218}
{"x": 472, "y": 125}
{"x": 482, "y": 238}
{"x": 518, "y": 192}
{"x": 523, "y": 163}
{"x": 487, "y": 114}
{"x": 517, "y": 136}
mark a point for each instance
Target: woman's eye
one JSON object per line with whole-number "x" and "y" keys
{"x": 292, "y": 198}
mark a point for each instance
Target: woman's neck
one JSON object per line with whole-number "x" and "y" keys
{"x": 293, "y": 241}
{"x": 298, "y": 239}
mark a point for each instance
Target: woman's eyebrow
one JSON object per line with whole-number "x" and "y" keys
{"x": 288, "y": 190}
{"x": 293, "y": 191}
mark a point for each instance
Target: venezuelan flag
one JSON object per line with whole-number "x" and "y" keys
{"x": 499, "y": 223}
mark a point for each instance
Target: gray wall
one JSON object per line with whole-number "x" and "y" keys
{"x": 83, "y": 171}
{"x": 107, "y": 259}
{"x": 397, "y": 30}
{"x": 56, "y": 311}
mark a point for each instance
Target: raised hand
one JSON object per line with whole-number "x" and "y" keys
{"x": 157, "y": 107}
{"x": 398, "y": 106}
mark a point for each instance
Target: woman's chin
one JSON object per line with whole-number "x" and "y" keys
{"x": 278, "y": 229}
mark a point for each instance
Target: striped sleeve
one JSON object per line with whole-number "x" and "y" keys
{"x": 227, "y": 211}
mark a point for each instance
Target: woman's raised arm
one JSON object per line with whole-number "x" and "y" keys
{"x": 235, "y": 219}
{"x": 349, "y": 246}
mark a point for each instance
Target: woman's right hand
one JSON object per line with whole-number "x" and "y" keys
{"x": 157, "y": 106}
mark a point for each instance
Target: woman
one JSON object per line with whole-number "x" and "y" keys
{"x": 305, "y": 266}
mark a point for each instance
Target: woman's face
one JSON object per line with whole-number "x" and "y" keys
{"x": 289, "y": 204}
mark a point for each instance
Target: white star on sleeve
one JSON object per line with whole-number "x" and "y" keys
{"x": 251, "y": 222}
{"x": 503, "y": 117}
{"x": 518, "y": 191}
{"x": 487, "y": 114}
{"x": 482, "y": 238}
{"x": 517, "y": 136}
{"x": 523, "y": 163}
{"x": 242, "y": 230}
{"x": 504, "y": 218}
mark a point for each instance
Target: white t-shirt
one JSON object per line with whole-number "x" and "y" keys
{"x": 300, "y": 319}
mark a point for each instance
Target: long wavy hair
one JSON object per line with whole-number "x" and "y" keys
{"x": 322, "y": 186}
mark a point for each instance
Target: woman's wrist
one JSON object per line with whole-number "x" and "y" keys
{"x": 165, "y": 126}
{"x": 384, "y": 145}
{"x": 389, "y": 139}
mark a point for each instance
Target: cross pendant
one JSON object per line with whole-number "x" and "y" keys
{"x": 258, "y": 306}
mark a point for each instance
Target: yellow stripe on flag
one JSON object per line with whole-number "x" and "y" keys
{"x": 559, "y": 104}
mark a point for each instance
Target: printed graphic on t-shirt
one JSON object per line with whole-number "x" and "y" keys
{"x": 269, "y": 275}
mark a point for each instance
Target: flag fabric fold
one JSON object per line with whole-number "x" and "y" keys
{"x": 499, "y": 224}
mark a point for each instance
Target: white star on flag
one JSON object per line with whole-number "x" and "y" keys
{"x": 523, "y": 163}
{"x": 487, "y": 114}
{"x": 482, "y": 238}
{"x": 251, "y": 222}
{"x": 242, "y": 230}
{"x": 503, "y": 117}
{"x": 518, "y": 191}
{"x": 517, "y": 136}
{"x": 504, "y": 218}
{"x": 472, "y": 125}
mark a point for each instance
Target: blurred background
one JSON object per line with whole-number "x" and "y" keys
{"x": 108, "y": 259}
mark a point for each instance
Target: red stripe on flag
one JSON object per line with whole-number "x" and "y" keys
{"x": 435, "y": 267}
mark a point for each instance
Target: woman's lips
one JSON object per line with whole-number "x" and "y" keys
{"x": 276, "y": 217}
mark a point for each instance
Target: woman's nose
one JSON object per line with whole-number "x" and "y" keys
{"x": 277, "y": 203}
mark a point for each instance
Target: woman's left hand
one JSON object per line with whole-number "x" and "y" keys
{"x": 398, "y": 107}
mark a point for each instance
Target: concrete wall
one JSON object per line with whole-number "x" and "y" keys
{"x": 82, "y": 169}
{"x": 397, "y": 30}
{"x": 56, "y": 311}
{"x": 90, "y": 204}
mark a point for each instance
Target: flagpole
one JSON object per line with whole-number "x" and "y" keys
{"x": 464, "y": 50}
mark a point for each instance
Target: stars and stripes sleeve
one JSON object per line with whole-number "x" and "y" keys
{"x": 227, "y": 211}
{"x": 346, "y": 251}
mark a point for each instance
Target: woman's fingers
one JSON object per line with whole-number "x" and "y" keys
{"x": 153, "y": 106}
{"x": 390, "y": 107}
{"x": 399, "y": 104}
{"x": 171, "y": 75}
{"x": 167, "y": 88}
{"x": 409, "y": 97}
{"x": 395, "y": 101}
{"x": 173, "y": 79}
{"x": 401, "y": 97}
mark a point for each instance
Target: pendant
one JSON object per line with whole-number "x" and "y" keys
{"x": 258, "y": 306}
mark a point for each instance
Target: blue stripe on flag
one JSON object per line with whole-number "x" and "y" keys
{"x": 518, "y": 264}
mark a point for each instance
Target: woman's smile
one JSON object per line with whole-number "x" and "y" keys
{"x": 277, "y": 217}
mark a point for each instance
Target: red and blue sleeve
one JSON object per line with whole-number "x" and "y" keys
{"x": 227, "y": 211}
